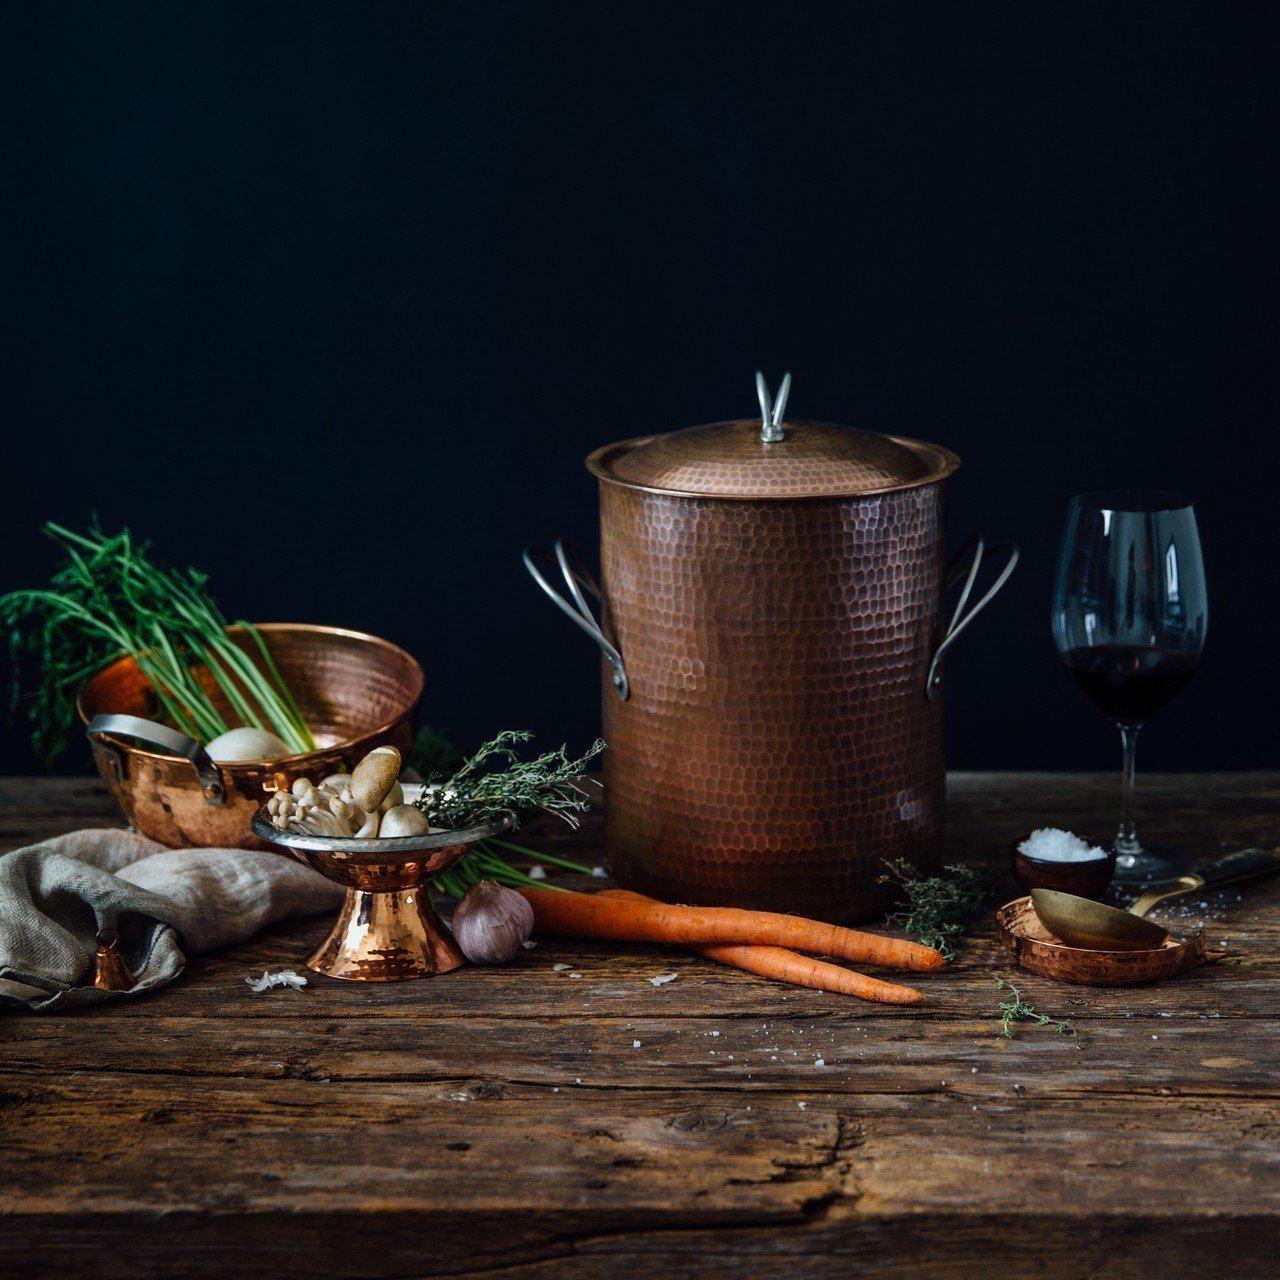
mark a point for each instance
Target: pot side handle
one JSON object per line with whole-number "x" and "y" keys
{"x": 960, "y": 619}
{"x": 578, "y": 579}
{"x": 212, "y": 786}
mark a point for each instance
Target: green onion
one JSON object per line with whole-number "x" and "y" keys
{"x": 109, "y": 599}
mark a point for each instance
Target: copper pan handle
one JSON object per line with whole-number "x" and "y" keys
{"x": 960, "y": 619}
{"x": 158, "y": 735}
{"x": 577, "y": 579}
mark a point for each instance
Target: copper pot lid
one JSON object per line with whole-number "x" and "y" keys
{"x": 772, "y": 457}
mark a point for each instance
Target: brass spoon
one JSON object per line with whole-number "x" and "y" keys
{"x": 1081, "y": 922}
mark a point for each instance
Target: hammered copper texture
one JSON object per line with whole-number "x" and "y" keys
{"x": 356, "y": 692}
{"x": 777, "y": 745}
{"x": 813, "y": 459}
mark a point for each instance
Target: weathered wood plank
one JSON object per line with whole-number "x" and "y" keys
{"x": 1201, "y": 1057}
{"x": 847, "y": 1171}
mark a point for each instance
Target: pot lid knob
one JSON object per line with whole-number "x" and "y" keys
{"x": 771, "y": 411}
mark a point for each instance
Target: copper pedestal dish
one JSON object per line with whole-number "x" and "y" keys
{"x": 356, "y": 692}
{"x": 773, "y": 629}
{"x": 387, "y": 929}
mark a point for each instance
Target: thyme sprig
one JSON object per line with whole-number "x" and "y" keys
{"x": 1016, "y": 1009}
{"x": 937, "y": 909}
{"x": 464, "y": 792}
{"x": 495, "y": 783}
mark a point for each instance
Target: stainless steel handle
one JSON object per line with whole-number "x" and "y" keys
{"x": 771, "y": 410}
{"x": 577, "y": 578}
{"x": 158, "y": 735}
{"x": 960, "y": 619}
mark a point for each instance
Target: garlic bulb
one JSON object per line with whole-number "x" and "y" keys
{"x": 491, "y": 923}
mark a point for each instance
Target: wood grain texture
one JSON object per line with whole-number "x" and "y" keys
{"x": 505, "y": 1122}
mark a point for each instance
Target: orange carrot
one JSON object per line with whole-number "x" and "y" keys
{"x": 583, "y": 915}
{"x": 800, "y": 971}
{"x": 805, "y": 971}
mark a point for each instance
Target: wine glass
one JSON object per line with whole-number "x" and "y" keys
{"x": 1130, "y": 612}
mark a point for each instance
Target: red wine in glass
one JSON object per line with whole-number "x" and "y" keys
{"x": 1129, "y": 683}
{"x": 1130, "y": 613}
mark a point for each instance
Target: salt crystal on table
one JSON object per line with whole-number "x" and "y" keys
{"x": 663, "y": 978}
{"x": 819, "y": 1062}
{"x": 537, "y": 873}
{"x": 599, "y": 873}
{"x": 635, "y": 1044}
{"x": 561, "y": 968}
{"x": 529, "y": 946}
{"x": 1052, "y": 844}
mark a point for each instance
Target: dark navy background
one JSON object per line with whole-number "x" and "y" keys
{"x": 332, "y": 299}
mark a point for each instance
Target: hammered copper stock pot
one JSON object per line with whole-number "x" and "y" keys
{"x": 771, "y": 623}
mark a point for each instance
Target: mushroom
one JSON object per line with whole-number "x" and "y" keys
{"x": 373, "y": 778}
{"x": 404, "y": 820}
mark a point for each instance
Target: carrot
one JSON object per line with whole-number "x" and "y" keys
{"x": 805, "y": 971}
{"x": 800, "y": 971}
{"x": 583, "y": 915}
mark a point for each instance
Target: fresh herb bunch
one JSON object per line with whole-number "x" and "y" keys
{"x": 109, "y": 598}
{"x": 938, "y": 908}
{"x": 462, "y": 792}
{"x": 481, "y": 789}
{"x": 1016, "y": 1009}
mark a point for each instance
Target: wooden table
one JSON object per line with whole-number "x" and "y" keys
{"x": 526, "y": 1122}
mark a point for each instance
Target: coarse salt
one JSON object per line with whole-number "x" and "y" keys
{"x": 1052, "y": 844}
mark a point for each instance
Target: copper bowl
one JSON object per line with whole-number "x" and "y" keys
{"x": 356, "y": 691}
{"x": 1033, "y": 947}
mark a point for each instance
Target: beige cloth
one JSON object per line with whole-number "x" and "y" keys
{"x": 166, "y": 904}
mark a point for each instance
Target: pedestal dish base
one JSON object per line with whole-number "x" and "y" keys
{"x": 386, "y": 937}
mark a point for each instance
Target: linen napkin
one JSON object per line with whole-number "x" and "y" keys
{"x": 166, "y": 904}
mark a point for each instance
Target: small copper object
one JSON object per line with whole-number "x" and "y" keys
{"x": 387, "y": 929}
{"x": 110, "y": 973}
{"x": 1035, "y": 948}
{"x": 356, "y": 692}
{"x": 772, "y": 624}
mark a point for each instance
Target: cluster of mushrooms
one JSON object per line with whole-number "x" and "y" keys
{"x": 367, "y": 802}
{"x": 490, "y": 924}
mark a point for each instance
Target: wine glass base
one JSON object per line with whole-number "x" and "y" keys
{"x": 1151, "y": 866}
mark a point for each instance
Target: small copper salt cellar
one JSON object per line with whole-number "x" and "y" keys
{"x": 110, "y": 973}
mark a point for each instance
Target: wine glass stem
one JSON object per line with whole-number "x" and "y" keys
{"x": 1127, "y": 836}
